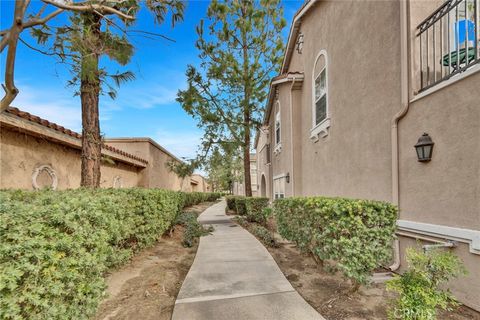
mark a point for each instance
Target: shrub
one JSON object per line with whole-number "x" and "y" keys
{"x": 230, "y": 202}
{"x": 419, "y": 292}
{"x": 255, "y": 209}
{"x": 193, "y": 229}
{"x": 193, "y": 198}
{"x": 355, "y": 234}
{"x": 240, "y": 205}
{"x": 55, "y": 246}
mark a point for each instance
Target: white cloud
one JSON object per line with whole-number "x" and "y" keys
{"x": 181, "y": 144}
{"x": 55, "y": 105}
{"x": 146, "y": 97}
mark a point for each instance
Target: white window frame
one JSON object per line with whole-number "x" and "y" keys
{"x": 276, "y": 193}
{"x": 320, "y": 129}
{"x": 278, "y": 120}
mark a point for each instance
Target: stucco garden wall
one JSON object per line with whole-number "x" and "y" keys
{"x": 156, "y": 175}
{"x": 21, "y": 154}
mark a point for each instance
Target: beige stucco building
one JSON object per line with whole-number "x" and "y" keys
{"x": 238, "y": 187}
{"x": 36, "y": 153}
{"x": 361, "y": 81}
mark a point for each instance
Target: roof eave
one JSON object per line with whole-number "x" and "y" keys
{"x": 292, "y": 36}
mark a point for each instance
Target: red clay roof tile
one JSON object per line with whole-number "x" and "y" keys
{"x": 27, "y": 116}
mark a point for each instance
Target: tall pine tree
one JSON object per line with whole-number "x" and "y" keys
{"x": 240, "y": 49}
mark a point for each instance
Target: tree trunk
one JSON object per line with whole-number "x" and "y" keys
{"x": 89, "y": 95}
{"x": 246, "y": 108}
{"x": 246, "y": 162}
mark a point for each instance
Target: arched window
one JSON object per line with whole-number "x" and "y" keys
{"x": 278, "y": 129}
{"x": 320, "y": 112}
{"x": 277, "y": 124}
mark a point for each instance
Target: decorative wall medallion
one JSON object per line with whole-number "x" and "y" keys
{"x": 117, "y": 182}
{"x": 299, "y": 43}
{"x": 44, "y": 177}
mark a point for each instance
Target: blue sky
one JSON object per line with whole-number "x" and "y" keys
{"x": 145, "y": 107}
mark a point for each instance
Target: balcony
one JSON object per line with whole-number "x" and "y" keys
{"x": 448, "y": 42}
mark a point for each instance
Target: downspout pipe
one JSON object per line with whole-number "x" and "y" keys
{"x": 405, "y": 104}
{"x": 292, "y": 180}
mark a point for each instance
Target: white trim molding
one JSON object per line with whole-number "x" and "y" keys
{"x": 278, "y": 148}
{"x": 279, "y": 176}
{"x": 320, "y": 130}
{"x": 469, "y": 236}
{"x": 458, "y": 77}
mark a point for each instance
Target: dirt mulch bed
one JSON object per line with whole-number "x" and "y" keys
{"x": 331, "y": 295}
{"x": 147, "y": 287}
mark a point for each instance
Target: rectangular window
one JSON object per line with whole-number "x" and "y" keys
{"x": 320, "y": 97}
{"x": 279, "y": 188}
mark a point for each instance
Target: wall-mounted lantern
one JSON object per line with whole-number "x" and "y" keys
{"x": 424, "y": 148}
{"x": 287, "y": 177}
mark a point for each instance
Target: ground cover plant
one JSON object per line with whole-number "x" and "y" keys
{"x": 55, "y": 246}
{"x": 352, "y": 236}
{"x": 266, "y": 236}
{"x": 193, "y": 229}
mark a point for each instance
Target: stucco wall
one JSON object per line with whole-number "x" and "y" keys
{"x": 446, "y": 190}
{"x": 363, "y": 76}
{"x": 156, "y": 175}
{"x": 263, "y": 167}
{"x": 282, "y": 161}
{"x": 465, "y": 287}
{"x": 364, "y": 88}
{"x": 21, "y": 154}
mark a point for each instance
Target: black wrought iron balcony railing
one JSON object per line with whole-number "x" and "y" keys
{"x": 449, "y": 41}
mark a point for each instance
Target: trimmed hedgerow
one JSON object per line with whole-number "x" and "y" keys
{"x": 354, "y": 234}
{"x": 55, "y": 246}
{"x": 231, "y": 202}
{"x": 255, "y": 209}
{"x": 193, "y": 198}
{"x": 240, "y": 205}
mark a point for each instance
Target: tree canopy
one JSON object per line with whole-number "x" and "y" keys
{"x": 240, "y": 49}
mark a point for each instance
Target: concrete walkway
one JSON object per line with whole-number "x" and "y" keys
{"x": 234, "y": 277}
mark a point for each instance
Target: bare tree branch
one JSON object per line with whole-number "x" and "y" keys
{"x": 10, "y": 90}
{"x": 36, "y": 22}
{"x": 90, "y": 8}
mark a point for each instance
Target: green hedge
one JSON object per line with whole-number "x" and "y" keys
{"x": 55, "y": 246}
{"x": 355, "y": 234}
{"x": 256, "y": 209}
{"x": 240, "y": 205}
{"x": 231, "y": 202}
{"x": 193, "y": 198}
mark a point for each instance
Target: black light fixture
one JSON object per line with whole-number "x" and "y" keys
{"x": 287, "y": 177}
{"x": 424, "y": 148}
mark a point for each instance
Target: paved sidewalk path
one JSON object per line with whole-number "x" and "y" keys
{"x": 234, "y": 277}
